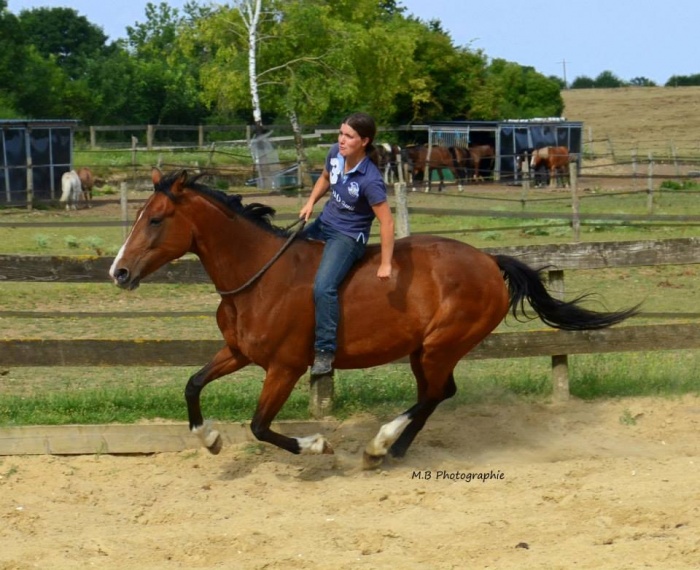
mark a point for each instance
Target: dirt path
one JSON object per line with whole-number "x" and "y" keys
{"x": 587, "y": 485}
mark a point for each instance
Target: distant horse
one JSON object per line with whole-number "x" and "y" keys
{"x": 388, "y": 161}
{"x": 539, "y": 176}
{"x": 416, "y": 157}
{"x": 556, "y": 160}
{"x": 87, "y": 182}
{"x": 481, "y": 156}
{"x": 443, "y": 299}
{"x": 71, "y": 190}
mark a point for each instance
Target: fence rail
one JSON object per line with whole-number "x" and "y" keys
{"x": 588, "y": 255}
{"x": 107, "y": 352}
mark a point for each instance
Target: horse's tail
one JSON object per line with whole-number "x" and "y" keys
{"x": 525, "y": 283}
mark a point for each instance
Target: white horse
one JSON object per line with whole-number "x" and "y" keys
{"x": 72, "y": 190}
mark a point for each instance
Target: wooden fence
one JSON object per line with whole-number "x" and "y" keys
{"x": 553, "y": 343}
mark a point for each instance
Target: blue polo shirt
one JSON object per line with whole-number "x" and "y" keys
{"x": 349, "y": 207}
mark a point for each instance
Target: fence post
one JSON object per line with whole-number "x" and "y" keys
{"x": 573, "y": 183}
{"x": 525, "y": 167}
{"x": 30, "y": 171}
{"x": 150, "y": 133}
{"x": 611, "y": 148}
{"x": 402, "y": 226}
{"x": 650, "y": 185}
{"x": 93, "y": 138}
{"x": 201, "y": 136}
{"x": 125, "y": 209}
{"x": 560, "y": 362}
{"x": 321, "y": 395}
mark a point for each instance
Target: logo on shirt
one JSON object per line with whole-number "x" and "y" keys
{"x": 335, "y": 170}
{"x": 354, "y": 189}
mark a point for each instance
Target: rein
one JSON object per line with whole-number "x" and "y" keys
{"x": 267, "y": 266}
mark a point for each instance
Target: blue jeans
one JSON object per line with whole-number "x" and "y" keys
{"x": 339, "y": 255}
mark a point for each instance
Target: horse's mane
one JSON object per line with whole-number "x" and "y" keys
{"x": 260, "y": 214}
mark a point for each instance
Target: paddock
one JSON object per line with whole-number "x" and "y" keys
{"x": 509, "y": 486}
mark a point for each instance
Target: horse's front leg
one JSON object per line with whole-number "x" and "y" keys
{"x": 224, "y": 362}
{"x": 278, "y": 385}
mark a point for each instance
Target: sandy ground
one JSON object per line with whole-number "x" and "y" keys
{"x": 609, "y": 484}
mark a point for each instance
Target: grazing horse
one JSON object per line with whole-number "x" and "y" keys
{"x": 389, "y": 156}
{"x": 481, "y": 156}
{"x": 443, "y": 299}
{"x": 556, "y": 160}
{"x": 416, "y": 157}
{"x": 87, "y": 182}
{"x": 71, "y": 191}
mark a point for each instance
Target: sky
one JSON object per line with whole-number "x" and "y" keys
{"x": 630, "y": 39}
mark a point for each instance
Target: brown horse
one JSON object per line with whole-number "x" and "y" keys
{"x": 416, "y": 157}
{"x": 87, "y": 182}
{"x": 556, "y": 160}
{"x": 481, "y": 156}
{"x": 443, "y": 299}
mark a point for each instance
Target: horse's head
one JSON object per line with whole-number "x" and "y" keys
{"x": 159, "y": 234}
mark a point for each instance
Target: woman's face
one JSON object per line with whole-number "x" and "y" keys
{"x": 350, "y": 142}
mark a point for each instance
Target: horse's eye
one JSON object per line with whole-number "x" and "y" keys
{"x": 155, "y": 221}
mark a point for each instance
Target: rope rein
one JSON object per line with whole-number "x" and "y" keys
{"x": 267, "y": 266}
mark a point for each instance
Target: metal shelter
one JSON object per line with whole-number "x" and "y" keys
{"x": 34, "y": 154}
{"x": 509, "y": 138}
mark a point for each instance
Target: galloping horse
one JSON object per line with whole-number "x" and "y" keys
{"x": 443, "y": 299}
{"x": 556, "y": 160}
{"x": 416, "y": 157}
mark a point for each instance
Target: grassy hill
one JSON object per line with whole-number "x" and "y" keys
{"x": 639, "y": 118}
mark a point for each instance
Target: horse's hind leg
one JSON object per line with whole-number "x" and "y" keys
{"x": 397, "y": 436}
{"x": 224, "y": 362}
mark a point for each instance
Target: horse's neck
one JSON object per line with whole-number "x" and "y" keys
{"x": 233, "y": 249}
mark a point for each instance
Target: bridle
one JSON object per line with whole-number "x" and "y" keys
{"x": 301, "y": 222}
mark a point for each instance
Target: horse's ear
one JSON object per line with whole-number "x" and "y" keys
{"x": 179, "y": 182}
{"x": 156, "y": 175}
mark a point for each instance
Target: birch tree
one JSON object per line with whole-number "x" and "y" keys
{"x": 250, "y": 11}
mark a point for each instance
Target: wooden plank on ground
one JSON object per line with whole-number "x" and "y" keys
{"x": 132, "y": 438}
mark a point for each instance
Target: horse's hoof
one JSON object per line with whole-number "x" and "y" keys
{"x": 371, "y": 461}
{"x": 215, "y": 448}
{"x": 327, "y": 448}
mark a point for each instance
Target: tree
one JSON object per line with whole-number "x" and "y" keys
{"x": 583, "y": 82}
{"x": 168, "y": 64}
{"x": 13, "y": 56}
{"x": 642, "y": 82}
{"x": 683, "y": 80}
{"x": 62, "y": 35}
{"x": 607, "y": 79}
{"x": 513, "y": 91}
{"x": 442, "y": 81}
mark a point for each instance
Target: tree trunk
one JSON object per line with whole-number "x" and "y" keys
{"x": 304, "y": 169}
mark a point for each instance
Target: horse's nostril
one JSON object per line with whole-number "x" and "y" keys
{"x": 122, "y": 276}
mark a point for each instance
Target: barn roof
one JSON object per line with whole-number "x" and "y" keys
{"x": 38, "y": 122}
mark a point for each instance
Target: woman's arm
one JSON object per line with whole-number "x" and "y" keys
{"x": 320, "y": 188}
{"x": 386, "y": 236}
